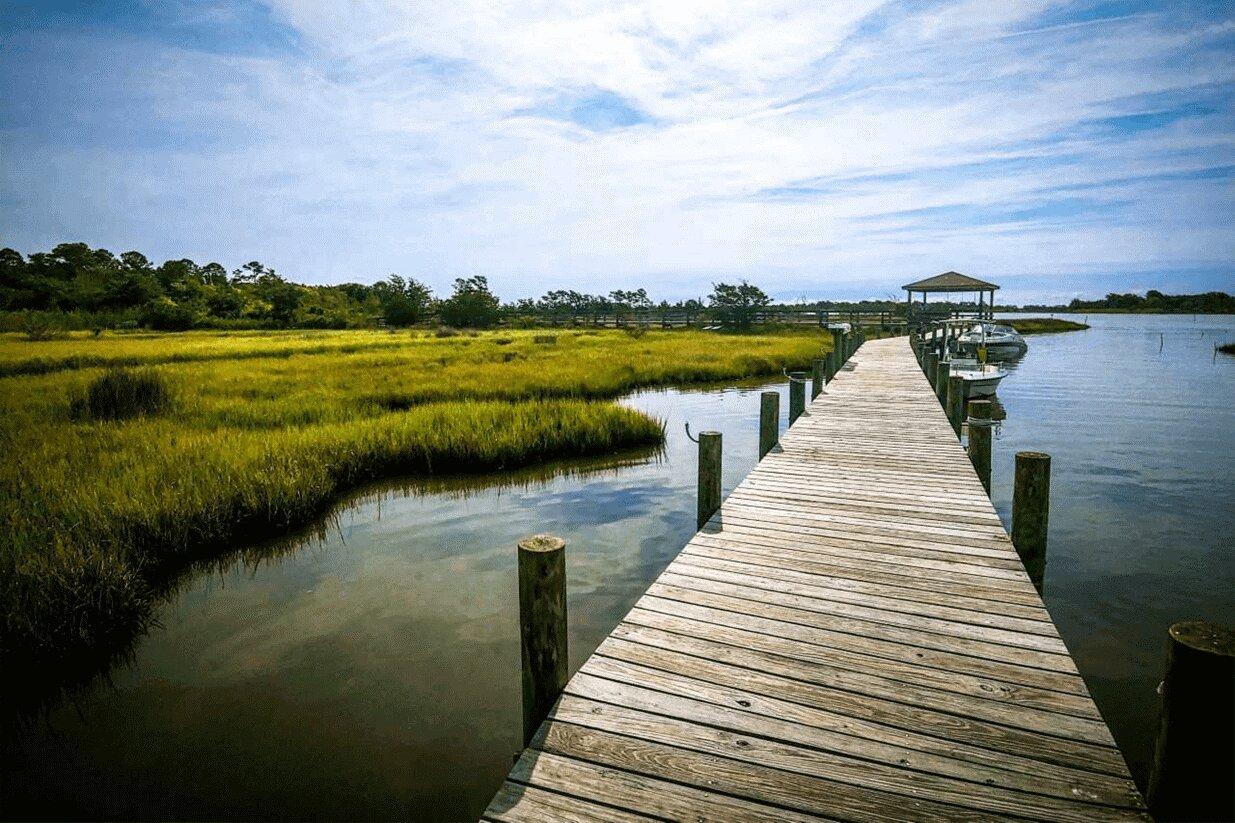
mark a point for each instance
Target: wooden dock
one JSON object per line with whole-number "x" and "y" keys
{"x": 852, "y": 637}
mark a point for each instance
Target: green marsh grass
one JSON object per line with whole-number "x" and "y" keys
{"x": 267, "y": 429}
{"x": 119, "y": 394}
{"x": 1045, "y": 325}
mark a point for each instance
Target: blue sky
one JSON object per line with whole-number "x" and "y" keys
{"x": 817, "y": 149}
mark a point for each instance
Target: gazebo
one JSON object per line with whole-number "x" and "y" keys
{"x": 951, "y": 282}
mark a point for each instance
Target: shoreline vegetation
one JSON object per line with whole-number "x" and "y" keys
{"x": 1152, "y": 302}
{"x": 1030, "y": 325}
{"x": 76, "y": 287}
{"x": 116, "y": 479}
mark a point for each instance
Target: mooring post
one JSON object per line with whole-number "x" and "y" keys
{"x": 709, "y": 476}
{"x": 980, "y": 440}
{"x": 941, "y": 381}
{"x": 797, "y": 395}
{"x": 932, "y": 364}
{"x": 1031, "y": 505}
{"x": 1194, "y": 760}
{"x": 542, "y": 626}
{"x": 769, "y": 421}
{"x": 955, "y": 405}
{"x": 817, "y": 378}
{"x": 838, "y": 348}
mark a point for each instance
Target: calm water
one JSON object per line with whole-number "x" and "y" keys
{"x": 1138, "y": 416}
{"x": 373, "y": 672}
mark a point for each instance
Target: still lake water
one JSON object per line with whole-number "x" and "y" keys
{"x": 373, "y": 672}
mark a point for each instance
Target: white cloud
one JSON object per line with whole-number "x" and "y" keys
{"x": 406, "y": 137}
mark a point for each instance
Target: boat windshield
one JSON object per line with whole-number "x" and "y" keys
{"x": 1004, "y": 330}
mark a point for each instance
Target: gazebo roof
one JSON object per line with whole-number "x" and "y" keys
{"x": 951, "y": 281}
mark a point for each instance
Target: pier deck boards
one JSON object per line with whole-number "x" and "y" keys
{"x": 852, "y": 637}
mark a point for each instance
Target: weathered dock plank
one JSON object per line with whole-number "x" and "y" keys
{"x": 850, "y": 637}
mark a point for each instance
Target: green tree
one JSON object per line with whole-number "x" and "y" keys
{"x": 181, "y": 280}
{"x": 403, "y": 302}
{"x": 737, "y": 305}
{"x": 164, "y": 315}
{"x": 472, "y": 305}
{"x": 578, "y": 304}
{"x": 213, "y": 274}
{"x": 691, "y": 308}
{"x": 224, "y": 300}
{"x": 555, "y": 304}
{"x": 21, "y": 287}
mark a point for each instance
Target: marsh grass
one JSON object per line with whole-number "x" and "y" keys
{"x": 1227, "y": 348}
{"x": 268, "y": 429}
{"x": 119, "y": 394}
{"x": 1045, "y": 325}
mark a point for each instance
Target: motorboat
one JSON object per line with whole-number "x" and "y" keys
{"x": 1000, "y": 342}
{"x": 979, "y": 379}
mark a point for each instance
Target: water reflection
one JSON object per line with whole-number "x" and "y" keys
{"x": 369, "y": 667}
{"x": 1138, "y": 419}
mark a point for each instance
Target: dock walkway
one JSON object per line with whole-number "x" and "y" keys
{"x": 851, "y": 637}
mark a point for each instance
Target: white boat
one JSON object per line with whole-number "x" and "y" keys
{"x": 980, "y": 379}
{"x": 1000, "y": 342}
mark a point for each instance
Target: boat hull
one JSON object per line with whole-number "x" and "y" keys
{"x": 982, "y": 387}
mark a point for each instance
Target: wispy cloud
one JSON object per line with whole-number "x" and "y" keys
{"x": 812, "y": 147}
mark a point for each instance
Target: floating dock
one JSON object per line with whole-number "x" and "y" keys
{"x": 850, "y": 637}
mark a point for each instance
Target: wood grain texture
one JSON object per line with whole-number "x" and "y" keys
{"x": 851, "y": 636}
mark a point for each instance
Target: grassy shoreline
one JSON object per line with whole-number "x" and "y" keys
{"x": 255, "y": 444}
{"x": 1045, "y": 325}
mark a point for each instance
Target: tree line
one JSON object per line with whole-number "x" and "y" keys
{"x": 1155, "y": 302}
{"x": 88, "y": 287}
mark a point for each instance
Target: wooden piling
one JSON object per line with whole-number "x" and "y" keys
{"x": 980, "y": 440}
{"x": 542, "y": 626}
{"x": 816, "y": 379}
{"x": 1031, "y": 503}
{"x": 941, "y": 381}
{"x": 709, "y": 475}
{"x": 930, "y": 365}
{"x": 1194, "y": 760}
{"x": 797, "y": 395}
{"x": 769, "y": 421}
{"x": 955, "y": 404}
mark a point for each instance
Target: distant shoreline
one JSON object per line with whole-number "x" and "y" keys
{"x": 1066, "y": 310}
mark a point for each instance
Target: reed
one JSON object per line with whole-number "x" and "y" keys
{"x": 1045, "y": 325}
{"x": 119, "y": 394}
{"x": 268, "y": 429}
